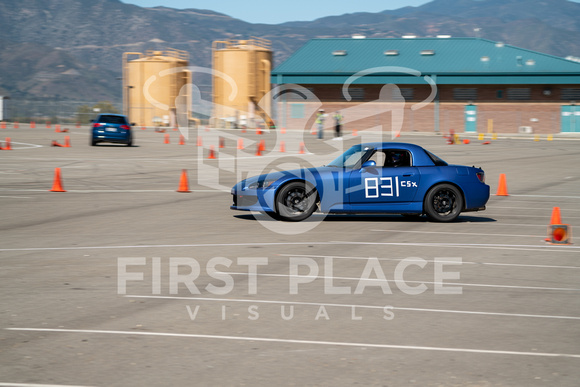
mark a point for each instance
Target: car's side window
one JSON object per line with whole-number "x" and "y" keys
{"x": 397, "y": 158}
{"x": 379, "y": 158}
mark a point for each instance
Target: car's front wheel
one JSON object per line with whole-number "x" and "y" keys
{"x": 443, "y": 203}
{"x": 296, "y": 201}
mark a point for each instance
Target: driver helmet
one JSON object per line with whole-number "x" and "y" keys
{"x": 396, "y": 159}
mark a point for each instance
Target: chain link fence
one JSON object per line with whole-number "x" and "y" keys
{"x": 56, "y": 111}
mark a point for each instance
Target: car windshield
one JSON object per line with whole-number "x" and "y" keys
{"x": 113, "y": 119}
{"x": 351, "y": 158}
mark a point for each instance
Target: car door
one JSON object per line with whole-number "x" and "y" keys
{"x": 393, "y": 180}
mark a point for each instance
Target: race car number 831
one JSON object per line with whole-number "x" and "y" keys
{"x": 383, "y": 186}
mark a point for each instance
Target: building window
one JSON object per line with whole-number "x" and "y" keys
{"x": 570, "y": 94}
{"x": 499, "y": 94}
{"x": 519, "y": 93}
{"x": 463, "y": 94}
{"x": 356, "y": 94}
{"x": 297, "y": 110}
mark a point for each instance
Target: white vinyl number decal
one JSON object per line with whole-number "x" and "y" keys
{"x": 381, "y": 186}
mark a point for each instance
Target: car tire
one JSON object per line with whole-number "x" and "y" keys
{"x": 443, "y": 203}
{"x": 130, "y": 143}
{"x": 93, "y": 142}
{"x": 296, "y": 201}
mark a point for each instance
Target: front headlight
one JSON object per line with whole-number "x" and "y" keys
{"x": 261, "y": 184}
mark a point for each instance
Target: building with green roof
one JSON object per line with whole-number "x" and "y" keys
{"x": 445, "y": 84}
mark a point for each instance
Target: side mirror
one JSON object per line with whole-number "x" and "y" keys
{"x": 369, "y": 163}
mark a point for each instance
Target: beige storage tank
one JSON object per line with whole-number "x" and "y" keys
{"x": 156, "y": 88}
{"x": 241, "y": 79}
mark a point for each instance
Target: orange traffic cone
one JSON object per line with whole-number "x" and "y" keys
{"x": 67, "y": 141}
{"x": 240, "y": 143}
{"x": 2, "y": 125}
{"x": 57, "y": 128}
{"x": 355, "y": 132}
{"x": 32, "y": 125}
{"x": 181, "y": 139}
{"x": 502, "y": 187}
{"x": 559, "y": 234}
{"x": 175, "y": 129}
{"x": 263, "y": 145}
{"x": 142, "y": 128}
{"x": 8, "y": 146}
{"x": 16, "y": 125}
{"x": 57, "y": 185}
{"x": 183, "y": 183}
{"x": 556, "y": 219}
{"x": 282, "y": 147}
{"x": 48, "y": 124}
{"x": 166, "y": 139}
{"x": 211, "y": 155}
{"x": 258, "y": 131}
{"x": 259, "y": 149}
{"x": 222, "y": 142}
{"x": 301, "y": 151}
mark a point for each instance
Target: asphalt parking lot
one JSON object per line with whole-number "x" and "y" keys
{"x": 90, "y": 292}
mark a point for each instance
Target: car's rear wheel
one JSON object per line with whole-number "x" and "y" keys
{"x": 443, "y": 203}
{"x": 296, "y": 201}
{"x": 93, "y": 142}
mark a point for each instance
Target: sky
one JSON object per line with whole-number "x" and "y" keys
{"x": 275, "y": 12}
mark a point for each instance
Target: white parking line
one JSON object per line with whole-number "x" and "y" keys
{"x": 110, "y": 190}
{"x": 535, "y": 208}
{"x": 543, "y": 248}
{"x": 546, "y": 196}
{"x": 305, "y": 342}
{"x": 491, "y": 213}
{"x": 453, "y": 233}
{"x": 353, "y": 306}
{"x": 549, "y": 248}
{"x": 36, "y": 385}
{"x": 410, "y": 282}
{"x": 431, "y": 260}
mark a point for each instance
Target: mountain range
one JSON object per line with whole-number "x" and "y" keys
{"x": 72, "y": 49}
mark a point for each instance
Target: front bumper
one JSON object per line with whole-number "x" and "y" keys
{"x": 261, "y": 200}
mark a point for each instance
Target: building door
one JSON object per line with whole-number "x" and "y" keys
{"x": 470, "y": 118}
{"x": 570, "y": 119}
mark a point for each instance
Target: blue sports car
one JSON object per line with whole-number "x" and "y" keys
{"x": 383, "y": 177}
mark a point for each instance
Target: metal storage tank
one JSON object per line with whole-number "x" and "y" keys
{"x": 156, "y": 88}
{"x": 247, "y": 64}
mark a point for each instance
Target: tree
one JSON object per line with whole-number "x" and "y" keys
{"x": 85, "y": 113}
